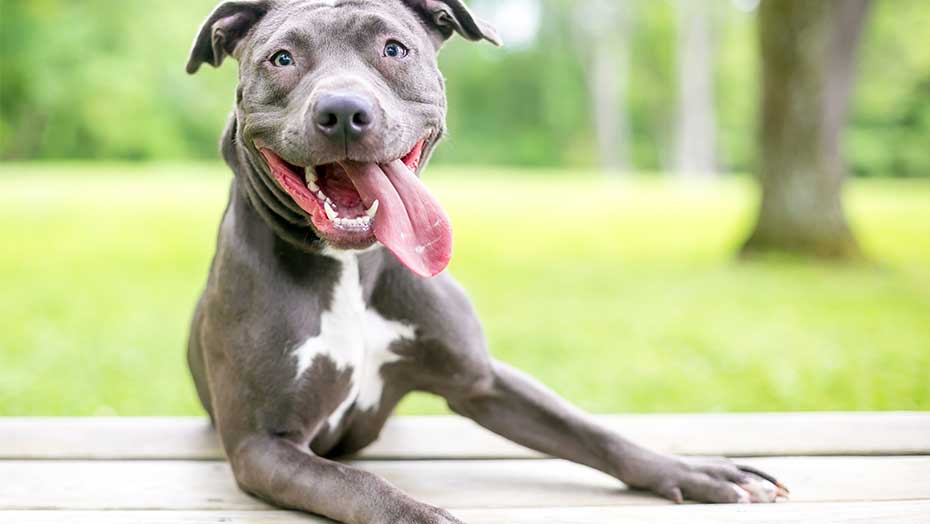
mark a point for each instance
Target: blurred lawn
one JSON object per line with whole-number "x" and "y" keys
{"x": 623, "y": 295}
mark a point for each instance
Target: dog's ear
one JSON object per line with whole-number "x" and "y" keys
{"x": 453, "y": 16}
{"x": 224, "y": 29}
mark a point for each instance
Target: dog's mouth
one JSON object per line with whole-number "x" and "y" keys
{"x": 354, "y": 204}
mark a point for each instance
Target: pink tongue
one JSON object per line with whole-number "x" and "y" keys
{"x": 410, "y": 222}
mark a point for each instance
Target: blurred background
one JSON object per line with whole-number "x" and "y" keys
{"x": 660, "y": 205}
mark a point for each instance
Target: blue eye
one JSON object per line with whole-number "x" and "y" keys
{"x": 282, "y": 59}
{"x": 395, "y": 49}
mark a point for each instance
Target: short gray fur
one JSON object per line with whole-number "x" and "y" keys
{"x": 273, "y": 278}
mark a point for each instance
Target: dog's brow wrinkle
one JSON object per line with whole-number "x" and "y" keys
{"x": 343, "y": 3}
{"x": 371, "y": 24}
{"x": 295, "y": 37}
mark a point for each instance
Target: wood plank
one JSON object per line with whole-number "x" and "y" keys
{"x": 912, "y": 512}
{"x": 781, "y": 434}
{"x": 129, "y": 438}
{"x": 192, "y": 485}
{"x": 738, "y": 435}
{"x": 822, "y": 513}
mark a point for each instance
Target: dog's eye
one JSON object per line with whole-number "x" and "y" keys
{"x": 282, "y": 59}
{"x": 395, "y": 49}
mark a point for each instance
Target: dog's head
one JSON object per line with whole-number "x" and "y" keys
{"x": 339, "y": 105}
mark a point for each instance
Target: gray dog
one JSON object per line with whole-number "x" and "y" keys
{"x": 327, "y": 302}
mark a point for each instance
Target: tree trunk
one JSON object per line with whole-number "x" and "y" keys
{"x": 607, "y": 85}
{"x": 696, "y": 150}
{"x": 808, "y": 58}
{"x": 602, "y": 32}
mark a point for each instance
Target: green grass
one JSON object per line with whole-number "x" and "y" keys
{"x": 623, "y": 296}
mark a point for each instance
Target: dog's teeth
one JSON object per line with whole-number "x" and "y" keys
{"x": 311, "y": 178}
{"x": 330, "y": 212}
{"x": 373, "y": 210}
{"x": 359, "y": 223}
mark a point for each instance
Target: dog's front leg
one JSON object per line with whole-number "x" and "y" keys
{"x": 282, "y": 470}
{"x": 278, "y": 471}
{"x": 523, "y": 410}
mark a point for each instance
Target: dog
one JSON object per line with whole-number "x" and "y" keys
{"x": 327, "y": 300}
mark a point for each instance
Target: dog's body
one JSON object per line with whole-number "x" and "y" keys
{"x": 316, "y": 320}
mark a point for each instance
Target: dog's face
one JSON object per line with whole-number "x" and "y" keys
{"x": 341, "y": 102}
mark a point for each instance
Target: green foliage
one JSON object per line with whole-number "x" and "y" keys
{"x": 105, "y": 79}
{"x": 101, "y": 79}
{"x": 890, "y": 132}
{"x": 643, "y": 312}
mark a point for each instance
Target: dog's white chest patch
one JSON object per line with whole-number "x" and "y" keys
{"x": 353, "y": 337}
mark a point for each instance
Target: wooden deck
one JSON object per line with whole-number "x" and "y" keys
{"x": 869, "y": 467}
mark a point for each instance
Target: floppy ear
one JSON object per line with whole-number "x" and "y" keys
{"x": 453, "y": 16}
{"x": 223, "y": 30}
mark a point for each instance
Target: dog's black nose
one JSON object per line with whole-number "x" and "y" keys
{"x": 343, "y": 117}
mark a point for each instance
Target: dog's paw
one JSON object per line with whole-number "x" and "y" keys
{"x": 719, "y": 481}
{"x": 424, "y": 514}
{"x": 711, "y": 480}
